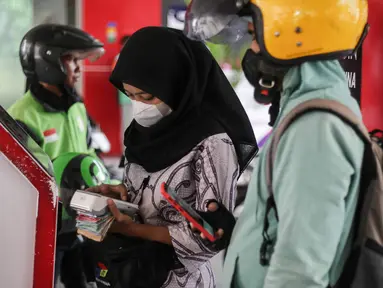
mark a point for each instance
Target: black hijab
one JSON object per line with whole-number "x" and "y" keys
{"x": 183, "y": 74}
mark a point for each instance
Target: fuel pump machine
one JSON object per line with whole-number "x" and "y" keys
{"x": 28, "y": 210}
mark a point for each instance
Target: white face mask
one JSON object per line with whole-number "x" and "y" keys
{"x": 148, "y": 114}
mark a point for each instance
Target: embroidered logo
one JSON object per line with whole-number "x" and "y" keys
{"x": 102, "y": 270}
{"x": 50, "y": 135}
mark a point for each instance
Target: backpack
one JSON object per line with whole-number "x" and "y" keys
{"x": 130, "y": 262}
{"x": 364, "y": 267}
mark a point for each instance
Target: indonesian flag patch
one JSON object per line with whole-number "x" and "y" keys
{"x": 50, "y": 135}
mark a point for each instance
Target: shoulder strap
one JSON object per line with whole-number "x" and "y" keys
{"x": 325, "y": 105}
{"x": 328, "y": 106}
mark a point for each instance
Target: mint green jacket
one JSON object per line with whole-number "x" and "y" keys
{"x": 316, "y": 184}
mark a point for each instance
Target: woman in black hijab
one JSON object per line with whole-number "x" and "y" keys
{"x": 190, "y": 131}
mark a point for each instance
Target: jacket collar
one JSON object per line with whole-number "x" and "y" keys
{"x": 50, "y": 101}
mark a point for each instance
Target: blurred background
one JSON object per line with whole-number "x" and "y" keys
{"x": 109, "y": 21}
{"x": 112, "y": 20}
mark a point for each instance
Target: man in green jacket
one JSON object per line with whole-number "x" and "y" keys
{"x": 317, "y": 169}
{"x": 51, "y": 111}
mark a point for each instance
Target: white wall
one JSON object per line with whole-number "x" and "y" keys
{"x": 49, "y": 11}
{"x": 18, "y": 210}
{"x": 15, "y": 20}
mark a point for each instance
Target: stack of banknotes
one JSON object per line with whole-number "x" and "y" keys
{"x": 93, "y": 227}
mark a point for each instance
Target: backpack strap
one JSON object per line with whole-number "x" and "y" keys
{"x": 325, "y": 105}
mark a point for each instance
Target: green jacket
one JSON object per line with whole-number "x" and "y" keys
{"x": 57, "y": 132}
{"x": 316, "y": 184}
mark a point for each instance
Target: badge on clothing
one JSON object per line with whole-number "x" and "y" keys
{"x": 101, "y": 272}
{"x": 80, "y": 124}
{"x": 50, "y": 135}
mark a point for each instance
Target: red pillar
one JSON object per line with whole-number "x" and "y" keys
{"x": 100, "y": 96}
{"x": 372, "y": 68}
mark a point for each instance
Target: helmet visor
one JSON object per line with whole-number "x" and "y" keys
{"x": 90, "y": 54}
{"x": 215, "y": 21}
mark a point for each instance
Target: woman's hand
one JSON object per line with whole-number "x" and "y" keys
{"x": 126, "y": 226}
{"x": 122, "y": 221}
{"x": 112, "y": 191}
{"x": 222, "y": 220}
{"x": 212, "y": 207}
{"x": 118, "y": 216}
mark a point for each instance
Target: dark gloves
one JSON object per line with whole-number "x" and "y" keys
{"x": 221, "y": 218}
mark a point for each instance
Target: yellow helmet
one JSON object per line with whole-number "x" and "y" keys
{"x": 288, "y": 31}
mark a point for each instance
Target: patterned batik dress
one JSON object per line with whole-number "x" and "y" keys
{"x": 209, "y": 171}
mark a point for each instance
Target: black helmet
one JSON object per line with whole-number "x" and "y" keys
{"x": 43, "y": 45}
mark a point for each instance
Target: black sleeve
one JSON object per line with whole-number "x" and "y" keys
{"x": 30, "y": 133}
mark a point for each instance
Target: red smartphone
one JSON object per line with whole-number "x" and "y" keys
{"x": 188, "y": 212}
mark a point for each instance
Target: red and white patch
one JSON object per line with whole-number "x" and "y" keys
{"x": 50, "y": 135}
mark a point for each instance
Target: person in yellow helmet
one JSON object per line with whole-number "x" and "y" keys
{"x": 302, "y": 238}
